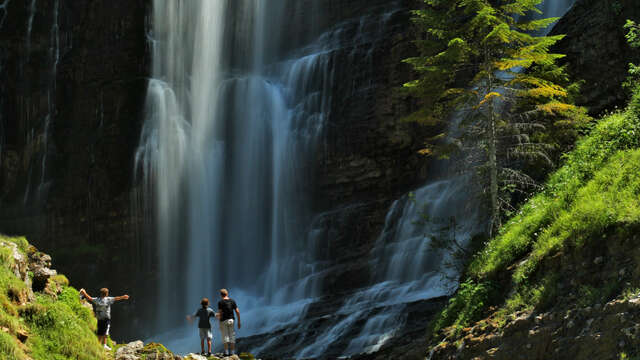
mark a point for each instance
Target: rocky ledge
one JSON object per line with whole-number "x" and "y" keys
{"x": 137, "y": 350}
{"x": 594, "y": 332}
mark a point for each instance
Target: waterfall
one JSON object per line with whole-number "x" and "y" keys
{"x": 555, "y": 8}
{"x": 235, "y": 111}
{"x": 226, "y": 154}
{"x": 406, "y": 266}
{"x": 38, "y": 136}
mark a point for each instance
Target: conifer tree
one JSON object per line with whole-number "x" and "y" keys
{"x": 484, "y": 60}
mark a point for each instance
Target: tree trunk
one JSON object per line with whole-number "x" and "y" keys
{"x": 493, "y": 162}
{"x": 493, "y": 173}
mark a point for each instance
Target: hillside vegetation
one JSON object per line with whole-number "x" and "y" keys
{"x": 50, "y": 323}
{"x": 572, "y": 245}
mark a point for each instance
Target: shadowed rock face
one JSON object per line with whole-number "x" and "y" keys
{"x": 596, "y": 49}
{"x": 72, "y": 86}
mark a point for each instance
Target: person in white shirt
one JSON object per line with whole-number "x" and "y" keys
{"x": 103, "y": 312}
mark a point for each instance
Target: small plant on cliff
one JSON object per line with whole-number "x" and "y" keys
{"x": 485, "y": 62}
{"x": 633, "y": 38}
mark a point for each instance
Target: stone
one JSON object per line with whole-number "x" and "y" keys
{"x": 41, "y": 276}
{"x": 129, "y": 351}
{"x": 194, "y": 357}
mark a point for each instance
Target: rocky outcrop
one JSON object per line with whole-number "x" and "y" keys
{"x": 597, "y": 51}
{"x": 33, "y": 268}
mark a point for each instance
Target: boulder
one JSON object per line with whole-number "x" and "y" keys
{"x": 39, "y": 265}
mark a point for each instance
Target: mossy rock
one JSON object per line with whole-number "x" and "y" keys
{"x": 151, "y": 349}
{"x": 154, "y": 348}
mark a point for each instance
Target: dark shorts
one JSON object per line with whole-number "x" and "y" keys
{"x": 103, "y": 326}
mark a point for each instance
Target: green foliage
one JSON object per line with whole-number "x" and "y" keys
{"x": 154, "y": 349}
{"x": 589, "y": 295}
{"x": 618, "y": 132}
{"x": 597, "y": 189}
{"x": 59, "y": 332}
{"x": 469, "y": 304}
{"x": 611, "y": 198}
{"x": 485, "y": 62}
{"x": 9, "y": 348}
{"x": 625, "y": 356}
{"x": 633, "y": 38}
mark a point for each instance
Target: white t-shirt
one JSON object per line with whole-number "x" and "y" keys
{"x": 103, "y": 307}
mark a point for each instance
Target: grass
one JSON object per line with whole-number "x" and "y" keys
{"x": 597, "y": 189}
{"x": 58, "y": 327}
{"x": 618, "y": 132}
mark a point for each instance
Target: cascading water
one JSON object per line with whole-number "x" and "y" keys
{"x": 226, "y": 157}
{"x": 407, "y": 268}
{"x": 234, "y": 117}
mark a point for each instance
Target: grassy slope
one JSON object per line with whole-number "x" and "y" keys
{"x": 57, "y": 329}
{"x": 596, "y": 190}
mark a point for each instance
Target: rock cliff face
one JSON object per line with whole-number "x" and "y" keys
{"x": 597, "y": 51}
{"x": 73, "y": 83}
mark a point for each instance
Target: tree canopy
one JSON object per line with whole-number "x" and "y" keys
{"x": 484, "y": 69}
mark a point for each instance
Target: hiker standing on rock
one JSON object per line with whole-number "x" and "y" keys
{"x": 204, "y": 326}
{"x": 103, "y": 312}
{"x": 226, "y": 308}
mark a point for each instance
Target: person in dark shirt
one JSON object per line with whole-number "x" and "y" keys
{"x": 226, "y": 308}
{"x": 204, "y": 326}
